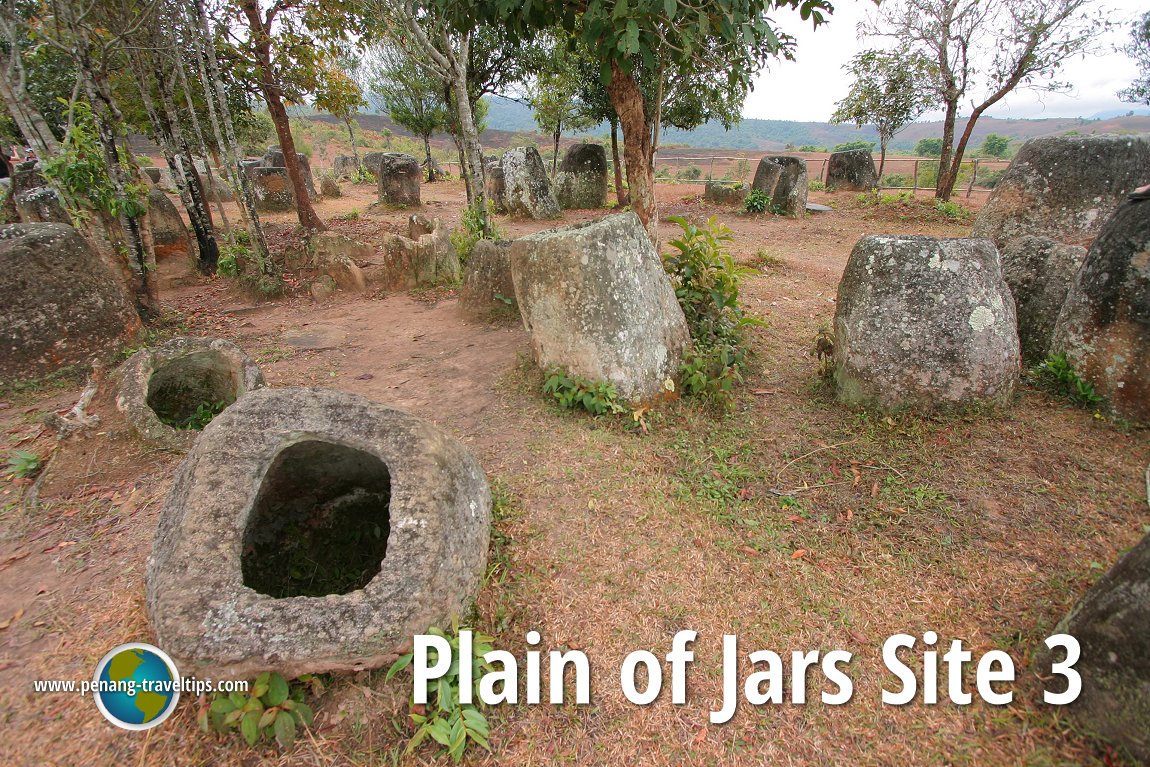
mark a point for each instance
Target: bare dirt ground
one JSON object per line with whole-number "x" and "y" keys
{"x": 787, "y": 520}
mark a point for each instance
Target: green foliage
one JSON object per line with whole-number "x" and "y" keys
{"x": 928, "y": 147}
{"x": 988, "y": 178}
{"x": 451, "y": 724}
{"x": 406, "y": 92}
{"x": 952, "y": 210}
{"x": 1139, "y": 49}
{"x": 849, "y": 145}
{"x": 238, "y": 261}
{"x": 690, "y": 173}
{"x": 254, "y": 130}
{"x": 23, "y": 464}
{"x": 994, "y": 145}
{"x": 757, "y": 201}
{"x": 816, "y": 185}
{"x": 351, "y": 215}
{"x": 571, "y": 392}
{"x": 895, "y": 180}
{"x": 1058, "y": 376}
{"x": 706, "y": 281}
{"x": 201, "y": 417}
{"x": 470, "y": 230}
{"x": 812, "y": 148}
{"x": 81, "y": 170}
{"x": 271, "y": 709}
{"x": 890, "y": 91}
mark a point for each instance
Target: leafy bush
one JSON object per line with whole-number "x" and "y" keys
{"x": 596, "y": 397}
{"x": 987, "y": 178}
{"x": 272, "y": 708}
{"x": 816, "y": 185}
{"x": 237, "y": 261}
{"x": 451, "y": 724}
{"x": 812, "y": 148}
{"x": 23, "y": 464}
{"x": 757, "y": 201}
{"x": 895, "y": 180}
{"x": 690, "y": 173}
{"x": 928, "y": 147}
{"x": 850, "y": 145}
{"x": 201, "y": 417}
{"x": 1058, "y": 376}
{"x": 706, "y": 281}
{"x": 952, "y": 210}
{"x": 470, "y": 231}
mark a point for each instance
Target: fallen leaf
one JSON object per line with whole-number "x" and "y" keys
{"x": 364, "y": 377}
{"x": 836, "y": 472}
{"x": 799, "y": 553}
{"x": 19, "y": 614}
{"x": 794, "y": 518}
{"x": 748, "y": 550}
{"x": 701, "y": 736}
{"x": 874, "y": 490}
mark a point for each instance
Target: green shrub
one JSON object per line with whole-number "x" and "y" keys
{"x": 757, "y": 201}
{"x": 816, "y": 185}
{"x": 23, "y": 464}
{"x": 812, "y": 148}
{"x": 706, "y": 281}
{"x": 690, "y": 173}
{"x": 571, "y": 392}
{"x": 451, "y": 724}
{"x": 470, "y": 231}
{"x": 271, "y": 709}
{"x": 952, "y": 210}
{"x": 987, "y": 178}
{"x": 1058, "y": 376}
{"x": 847, "y": 146}
{"x": 896, "y": 180}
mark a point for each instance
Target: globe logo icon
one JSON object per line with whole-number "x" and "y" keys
{"x": 136, "y": 686}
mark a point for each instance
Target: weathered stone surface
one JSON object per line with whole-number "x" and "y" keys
{"x": 323, "y": 288}
{"x": 852, "y": 170}
{"x": 488, "y": 290}
{"x": 215, "y": 188}
{"x": 165, "y": 384}
{"x": 399, "y": 179}
{"x": 152, "y": 173}
{"x": 1064, "y": 188}
{"x": 527, "y": 190}
{"x": 59, "y": 305}
{"x": 581, "y": 181}
{"x": 425, "y": 257}
{"x": 272, "y": 189}
{"x": 1104, "y": 326}
{"x": 372, "y": 161}
{"x": 274, "y": 158}
{"x": 925, "y": 323}
{"x": 337, "y": 256}
{"x": 25, "y": 179}
{"x": 1112, "y": 626}
{"x": 344, "y": 166}
{"x": 790, "y": 195}
{"x": 41, "y": 205}
{"x": 495, "y": 184}
{"x": 767, "y": 176}
{"x": 329, "y": 186}
{"x": 1039, "y": 272}
{"x": 597, "y": 303}
{"x": 728, "y": 194}
{"x": 290, "y": 470}
{"x": 168, "y": 229}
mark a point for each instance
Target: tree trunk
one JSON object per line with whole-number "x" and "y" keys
{"x": 622, "y": 197}
{"x": 351, "y": 135}
{"x": 306, "y": 214}
{"x": 469, "y": 136}
{"x": 944, "y": 185}
{"x": 555, "y": 152}
{"x": 27, "y": 117}
{"x": 430, "y": 163}
{"x": 881, "y": 158}
{"x": 627, "y": 99}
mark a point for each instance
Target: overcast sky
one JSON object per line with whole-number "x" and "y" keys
{"x": 807, "y": 88}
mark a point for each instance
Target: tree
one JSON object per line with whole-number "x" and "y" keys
{"x": 985, "y": 48}
{"x": 994, "y": 145}
{"x": 408, "y": 94}
{"x": 1139, "y": 50}
{"x": 662, "y": 37}
{"x": 888, "y": 90}
{"x": 928, "y": 147}
{"x": 554, "y": 97}
{"x": 288, "y": 51}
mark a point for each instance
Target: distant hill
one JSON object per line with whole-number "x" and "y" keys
{"x": 511, "y": 116}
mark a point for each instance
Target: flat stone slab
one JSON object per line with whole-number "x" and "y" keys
{"x": 315, "y": 337}
{"x": 814, "y": 207}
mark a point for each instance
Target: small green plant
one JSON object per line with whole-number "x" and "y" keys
{"x": 895, "y": 180}
{"x": 952, "y": 210}
{"x": 202, "y": 416}
{"x": 757, "y": 201}
{"x": 1057, "y": 375}
{"x": 362, "y": 175}
{"x": 816, "y": 185}
{"x": 271, "y": 709}
{"x": 351, "y": 215}
{"x": 470, "y": 231}
{"x": 451, "y": 724}
{"x": 706, "y": 280}
{"x": 571, "y": 392}
{"x": 23, "y": 464}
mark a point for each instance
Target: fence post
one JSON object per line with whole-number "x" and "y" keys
{"x": 973, "y": 176}
{"x": 711, "y": 170}
{"x": 823, "y": 171}
{"x": 915, "y": 176}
